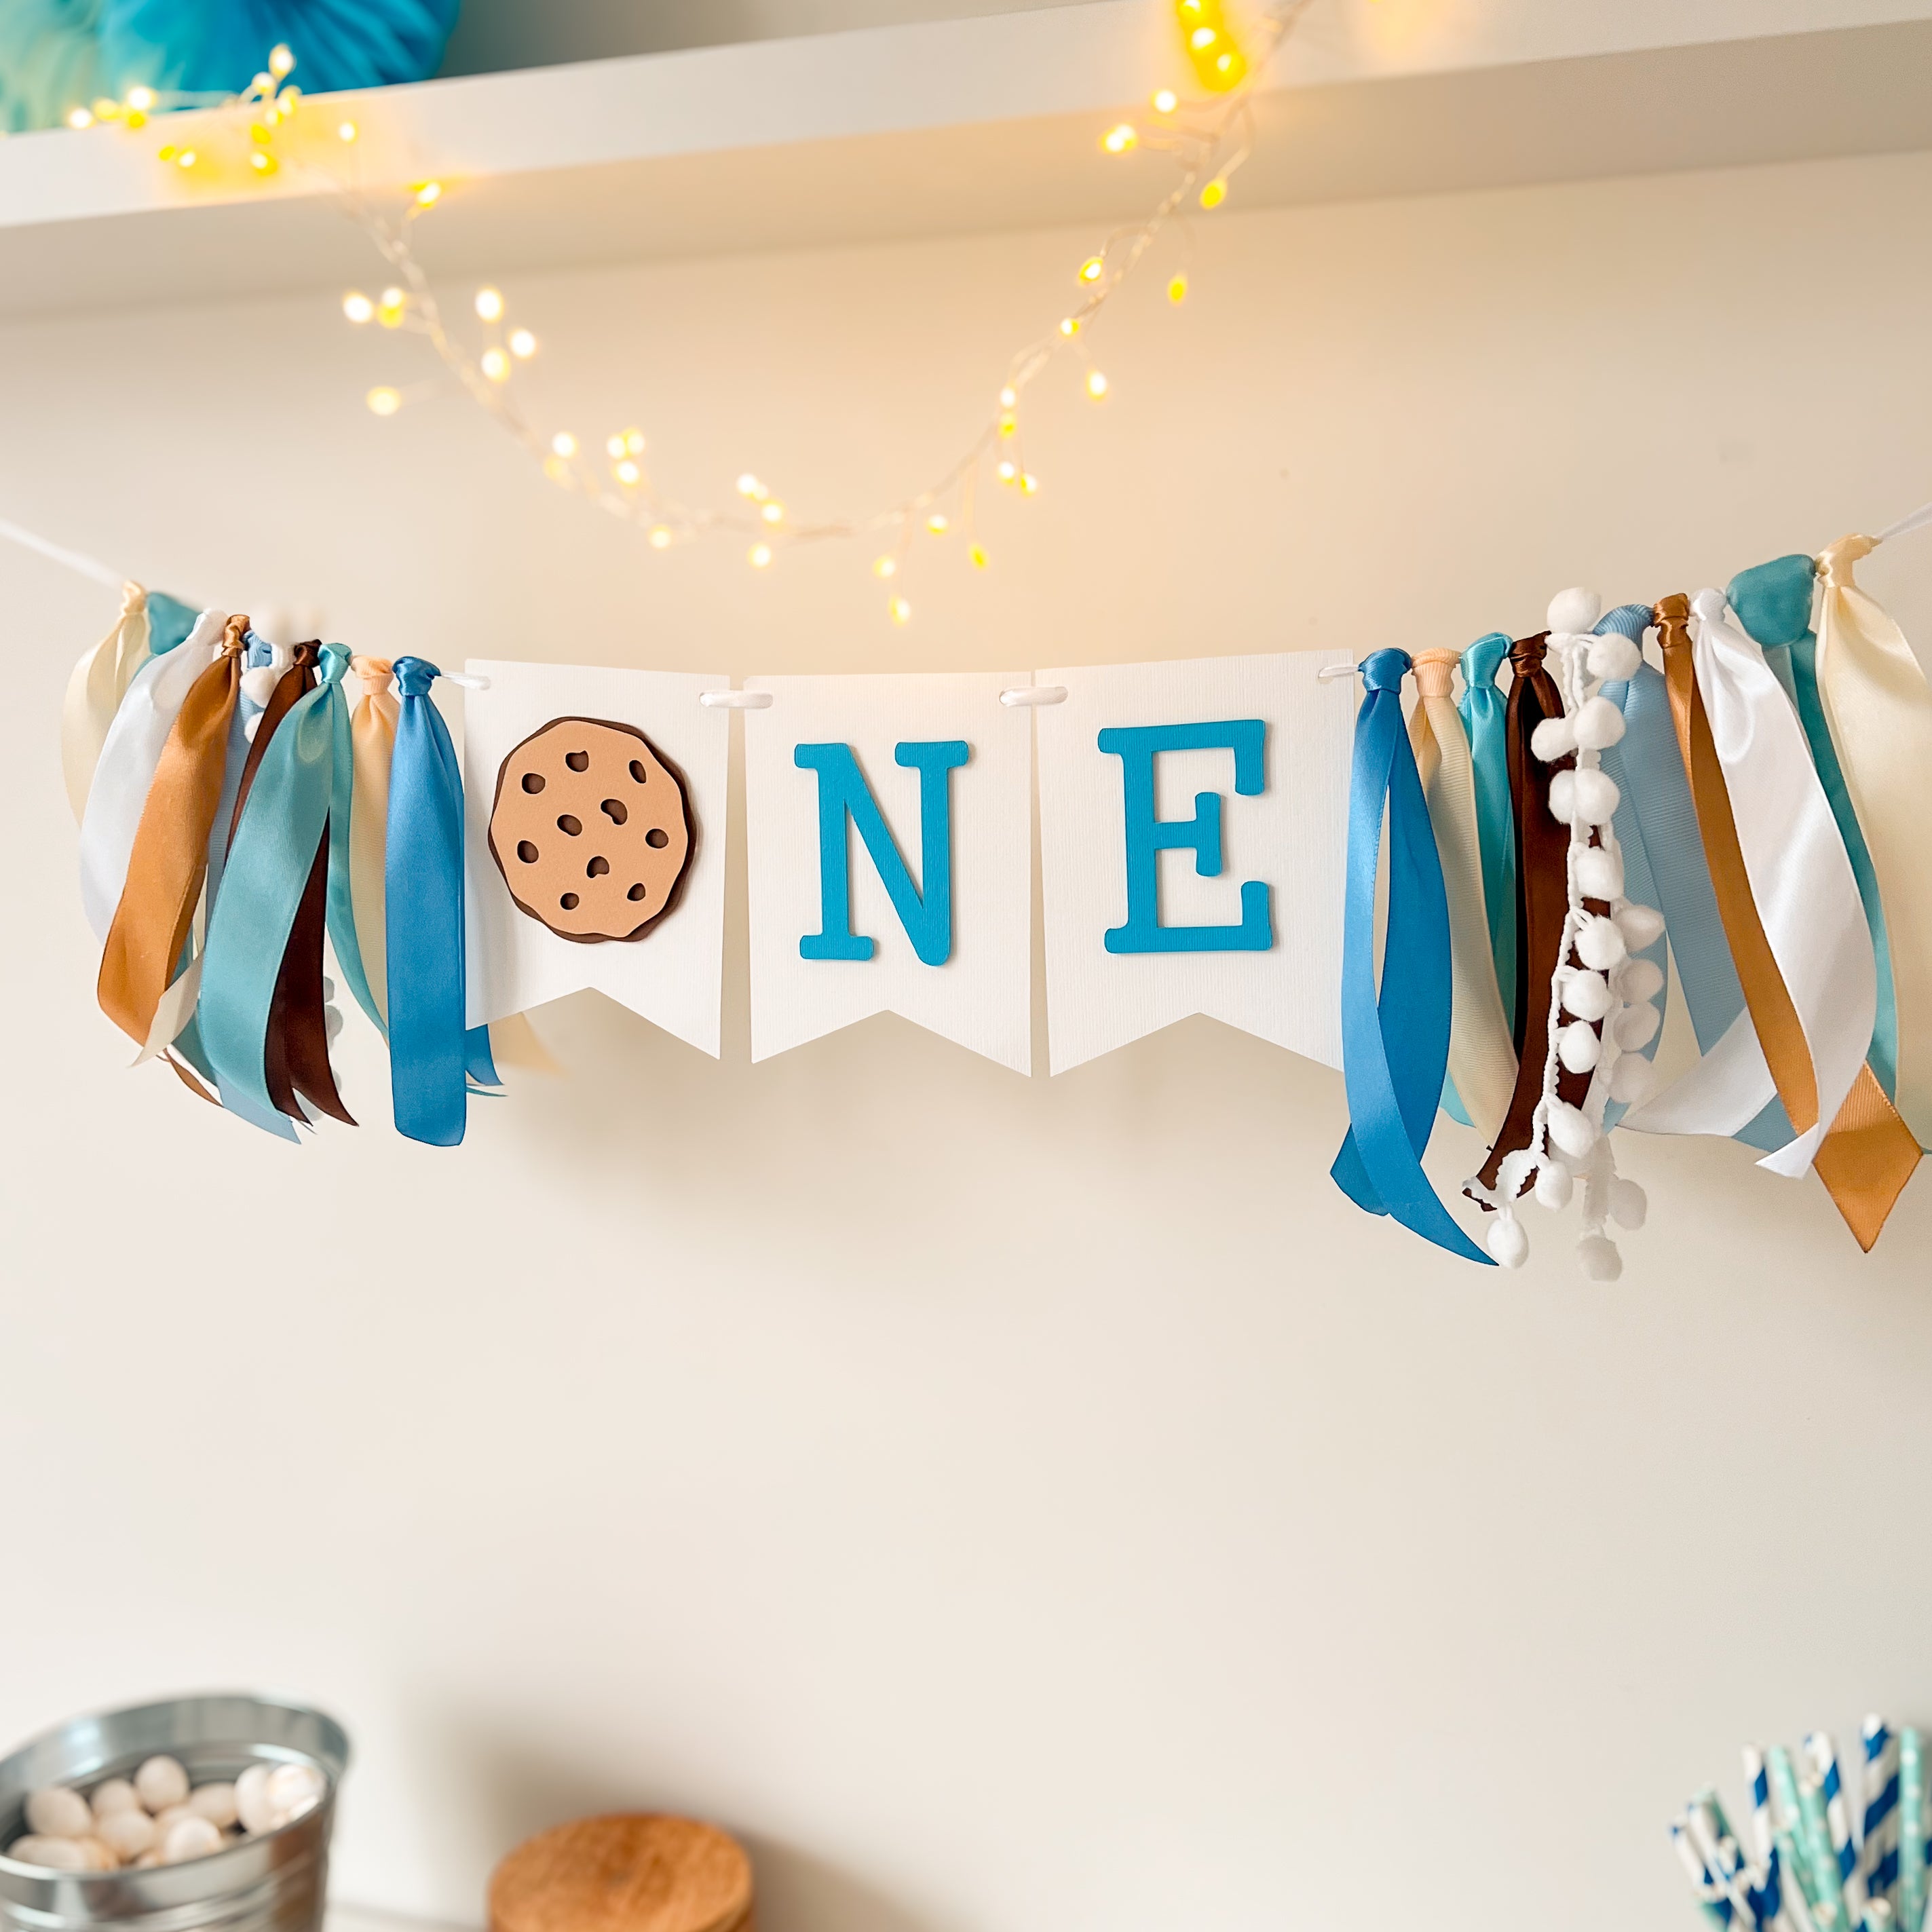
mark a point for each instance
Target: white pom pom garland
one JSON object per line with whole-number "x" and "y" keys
{"x": 1596, "y": 795}
{"x": 1636, "y": 1026}
{"x": 1574, "y": 611}
{"x": 1508, "y": 1244}
{"x": 1554, "y": 1186}
{"x": 1642, "y": 925}
{"x": 1555, "y": 738}
{"x": 1599, "y": 943}
{"x": 1600, "y": 874}
{"x": 1641, "y": 980}
{"x": 1577, "y": 1046}
{"x": 1613, "y": 658}
{"x": 1597, "y": 1255}
{"x": 1587, "y": 995}
{"x": 1598, "y": 725}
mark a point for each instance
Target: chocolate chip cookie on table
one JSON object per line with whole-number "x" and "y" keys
{"x": 591, "y": 829}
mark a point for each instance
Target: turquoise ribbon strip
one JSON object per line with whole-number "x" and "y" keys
{"x": 433, "y": 1056}
{"x": 1395, "y": 1046}
{"x": 269, "y": 861}
{"x": 1485, "y": 713}
{"x": 342, "y": 934}
{"x": 170, "y": 621}
{"x": 1773, "y": 602}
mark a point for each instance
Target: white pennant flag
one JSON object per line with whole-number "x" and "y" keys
{"x": 888, "y": 827}
{"x": 1193, "y": 843}
{"x": 595, "y": 803}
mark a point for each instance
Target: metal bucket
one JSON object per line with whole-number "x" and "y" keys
{"x": 273, "y": 1883}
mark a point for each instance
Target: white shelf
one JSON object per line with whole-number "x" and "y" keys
{"x": 957, "y": 126}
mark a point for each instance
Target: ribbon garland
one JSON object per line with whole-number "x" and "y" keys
{"x": 1485, "y": 719}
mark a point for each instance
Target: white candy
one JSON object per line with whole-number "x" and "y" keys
{"x": 190, "y": 1838}
{"x": 1554, "y": 1184}
{"x": 1599, "y": 944}
{"x": 1574, "y": 611}
{"x": 1597, "y": 1254}
{"x": 1642, "y": 925}
{"x": 50, "y": 1854}
{"x": 101, "y": 1856}
{"x": 1577, "y": 1046}
{"x": 1571, "y": 1129}
{"x": 251, "y": 1800}
{"x": 1641, "y": 980}
{"x": 1551, "y": 738}
{"x": 1600, "y": 874}
{"x": 1613, "y": 658}
{"x": 59, "y": 1813}
{"x": 128, "y": 1833}
{"x": 294, "y": 1789}
{"x": 1634, "y": 1080}
{"x": 1596, "y": 796}
{"x": 116, "y": 1795}
{"x": 1598, "y": 724}
{"x": 161, "y": 1782}
{"x": 166, "y": 1820}
{"x": 1587, "y": 995}
{"x": 214, "y": 1802}
{"x": 1636, "y": 1026}
{"x": 1506, "y": 1242}
{"x": 1629, "y": 1204}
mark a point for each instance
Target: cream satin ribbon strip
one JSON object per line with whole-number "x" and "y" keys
{"x": 1482, "y": 1059}
{"x": 1879, "y": 707}
{"x": 372, "y": 732}
{"x": 176, "y": 1006}
{"x": 94, "y": 692}
{"x": 132, "y": 750}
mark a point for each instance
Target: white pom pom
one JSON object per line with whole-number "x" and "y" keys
{"x": 1633, "y": 1080}
{"x": 1598, "y": 724}
{"x": 1641, "y": 980}
{"x": 1571, "y": 1129}
{"x": 1636, "y": 1026}
{"x": 1587, "y": 995}
{"x": 1551, "y": 738}
{"x": 1597, "y": 1256}
{"x": 1577, "y": 1046}
{"x": 1599, "y": 942}
{"x": 1574, "y": 611}
{"x": 57, "y": 1813}
{"x": 1629, "y": 1204}
{"x": 161, "y": 1782}
{"x": 1642, "y": 925}
{"x": 250, "y": 726}
{"x": 1563, "y": 795}
{"x": 1600, "y": 874}
{"x": 1613, "y": 658}
{"x": 1554, "y": 1185}
{"x": 259, "y": 685}
{"x": 1513, "y": 1172}
{"x": 116, "y": 1795}
{"x": 1597, "y": 796}
{"x": 1507, "y": 1243}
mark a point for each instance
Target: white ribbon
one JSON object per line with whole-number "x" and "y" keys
{"x": 128, "y": 758}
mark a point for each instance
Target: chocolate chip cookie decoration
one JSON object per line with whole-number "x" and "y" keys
{"x": 591, "y": 829}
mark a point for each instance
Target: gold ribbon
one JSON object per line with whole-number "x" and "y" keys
{"x": 1880, "y": 708}
{"x": 1868, "y": 1156}
{"x": 372, "y": 733}
{"x": 1482, "y": 1057}
{"x": 95, "y": 691}
{"x": 169, "y": 864}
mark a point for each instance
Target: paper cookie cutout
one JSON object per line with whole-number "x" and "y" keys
{"x": 591, "y": 829}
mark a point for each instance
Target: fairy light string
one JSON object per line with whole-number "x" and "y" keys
{"x": 1209, "y": 138}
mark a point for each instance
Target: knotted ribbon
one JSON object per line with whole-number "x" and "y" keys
{"x": 1482, "y": 1061}
{"x": 1395, "y": 1042}
{"x": 1880, "y": 709}
{"x": 1791, "y": 911}
{"x": 433, "y": 1054}
{"x": 95, "y": 691}
{"x": 1485, "y": 719}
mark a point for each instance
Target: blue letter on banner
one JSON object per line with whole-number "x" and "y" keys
{"x": 1147, "y": 836}
{"x": 926, "y": 914}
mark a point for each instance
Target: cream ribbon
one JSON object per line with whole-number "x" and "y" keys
{"x": 1482, "y": 1057}
{"x": 1880, "y": 708}
{"x": 372, "y": 732}
{"x": 128, "y": 756}
{"x": 94, "y": 692}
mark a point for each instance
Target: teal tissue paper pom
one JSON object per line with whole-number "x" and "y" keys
{"x": 49, "y": 61}
{"x": 218, "y": 47}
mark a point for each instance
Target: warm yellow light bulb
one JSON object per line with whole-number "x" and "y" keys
{"x": 281, "y": 62}
{"x": 1029, "y": 484}
{"x": 1096, "y": 384}
{"x": 1166, "y": 101}
{"x": 660, "y": 537}
{"x": 384, "y": 401}
{"x": 634, "y": 438}
{"x": 391, "y": 308}
{"x": 1224, "y": 63}
{"x": 489, "y": 304}
{"x": 901, "y": 611}
{"x": 358, "y": 306}
{"x": 428, "y": 193}
{"x": 1202, "y": 38}
{"x": 1009, "y": 396}
{"x": 1070, "y": 325}
{"x": 495, "y": 365}
{"x": 105, "y": 109}
{"x": 557, "y": 469}
{"x": 186, "y": 158}
{"x": 1214, "y": 193}
{"x": 564, "y": 443}
{"x": 1117, "y": 140}
{"x": 263, "y": 163}
{"x": 885, "y": 566}
{"x": 1006, "y": 472}
{"x": 1092, "y": 269}
{"x": 1010, "y": 425}
{"x": 78, "y": 117}
{"x": 260, "y": 133}
{"x": 135, "y": 117}
{"x": 978, "y": 556}
{"x": 759, "y": 556}
{"x": 346, "y": 131}
{"x": 937, "y": 524}
{"x": 523, "y": 344}
{"x": 141, "y": 99}
{"x": 749, "y": 485}
{"x": 627, "y": 472}
{"x": 1176, "y": 290}
{"x": 614, "y": 446}
{"x": 773, "y": 513}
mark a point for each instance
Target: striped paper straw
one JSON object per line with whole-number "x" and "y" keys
{"x": 1719, "y": 1866}
{"x": 1911, "y": 1910}
{"x": 1794, "y": 1837}
{"x": 1878, "y": 1853}
{"x": 1714, "y": 1906}
{"x": 1878, "y": 1917}
{"x": 1829, "y": 1905}
{"x": 1824, "y": 1756}
{"x": 1763, "y": 1836}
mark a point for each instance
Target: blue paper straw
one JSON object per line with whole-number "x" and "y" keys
{"x": 1828, "y": 1902}
{"x": 1878, "y": 1851}
{"x": 1911, "y": 1910}
{"x": 1824, "y": 1756}
{"x": 1704, "y": 1888}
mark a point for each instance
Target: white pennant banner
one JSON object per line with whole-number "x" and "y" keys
{"x": 578, "y": 891}
{"x": 889, "y": 834}
{"x": 1193, "y": 843}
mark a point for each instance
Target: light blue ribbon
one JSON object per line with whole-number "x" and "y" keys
{"x": 1485, "y": 714}
{"x": 1773, "y": 602}
{"x": 1395, "y": 1046}
{"x": 433, "y": 1054}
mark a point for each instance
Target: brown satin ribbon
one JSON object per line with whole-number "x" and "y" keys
{"x": 295, "y": 682}
{"x": 168, "y": 862}
{"x": 1868, "y": 1156}
{"x": 1542, "y": 899}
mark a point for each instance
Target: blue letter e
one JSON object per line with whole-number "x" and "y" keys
{"x": 1147, "y": 837}
{"x": 926, "y": 914}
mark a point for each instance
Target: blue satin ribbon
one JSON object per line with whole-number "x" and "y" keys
{"x": 433, "y": 1055}
{"x": 1485, "y": 714}
{"x": 1773, "y": 602}
{"x": 1395, "y": 1045}
{"x": 170, "y": 621}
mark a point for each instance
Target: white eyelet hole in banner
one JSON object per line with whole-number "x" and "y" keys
{"x": 1032, "y": 696}
{"x": 735, "y": 701}
{"x": 1329, "y": 671}
{"x": 467, "y": 680}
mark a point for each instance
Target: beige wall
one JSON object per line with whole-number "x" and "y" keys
{"x": 1013, "y": 1504}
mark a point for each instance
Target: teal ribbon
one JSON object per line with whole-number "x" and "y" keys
{"x": 433, "y": 1056}
{"x": 1395, "y": 1043}
{"x": 1773, "y": 602}
{"x": 1485, "y": 714}
{"x": 170, "y": 621}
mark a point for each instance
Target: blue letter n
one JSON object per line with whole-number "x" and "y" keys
{"x": 926, "y": 911}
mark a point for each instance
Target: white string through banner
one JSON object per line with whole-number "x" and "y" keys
{"x": 735, "y": 701}
{"x": 1328, "y": 672}
{"x": 69, "y": 559}
{"x": 1032, "y": 696}
{"x": 1915, "y": 520}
